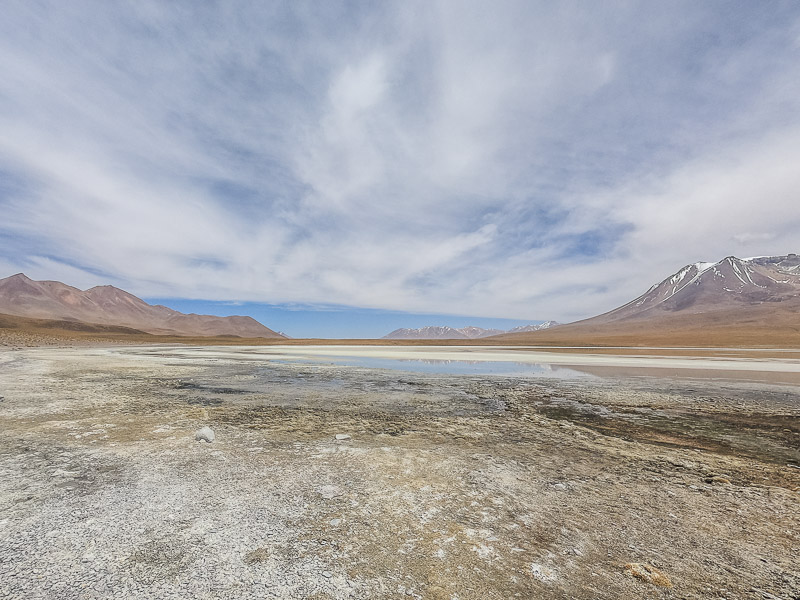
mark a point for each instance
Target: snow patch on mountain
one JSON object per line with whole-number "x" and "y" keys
{"x": 539, "y": 327}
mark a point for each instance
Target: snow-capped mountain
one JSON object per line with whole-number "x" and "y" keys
{"x": 464, "y": 333}
{"x": 708, "y": 287}
{"x": 427, "y": 333}
{"x": 539, "y": 327}
{"x": 751, "y": 302}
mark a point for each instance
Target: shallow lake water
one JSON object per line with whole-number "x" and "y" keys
{"x": 451, "y": 367}
{"x": 504, "y": 361}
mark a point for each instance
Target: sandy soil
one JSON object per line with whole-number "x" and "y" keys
{"x": 449, "y": 486}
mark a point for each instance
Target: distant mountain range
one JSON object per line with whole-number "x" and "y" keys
{"x": 464, "y": 333}
{"x": 753, "y": 301}
{"x": 108, "y": 305}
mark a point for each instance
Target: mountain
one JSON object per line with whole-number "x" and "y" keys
{"x": 426, "y": 333}
{"x": 108, "y": 305}
{"x": 472, "y": 332}
{"x": 710, "y": 287}
{"x": 751, "y": 301}
{"x": 539, "y": 327}
{"x": 464, "y": 333}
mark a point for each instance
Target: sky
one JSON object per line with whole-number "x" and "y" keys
{"x": 507, "y": 161}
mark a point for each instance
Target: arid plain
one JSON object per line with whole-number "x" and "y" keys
{"x": 458, "y": 473}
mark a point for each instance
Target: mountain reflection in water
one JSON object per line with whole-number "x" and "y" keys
{"x": 462, "y": 367}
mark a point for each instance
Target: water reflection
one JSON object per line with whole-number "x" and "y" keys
{"x": 462, "y": 367}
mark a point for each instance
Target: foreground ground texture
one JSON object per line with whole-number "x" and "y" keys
{"x": 449, "y": 486}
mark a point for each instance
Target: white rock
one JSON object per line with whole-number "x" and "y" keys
{"x": 335, "y": 522}
{"x": 330, "y": 491}
{"x": 342, "y": 436}
{"x": 206, "y": 434}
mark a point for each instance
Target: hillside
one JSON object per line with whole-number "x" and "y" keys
{"x": 108, "y": 305}
{"x": 736, "y": 302}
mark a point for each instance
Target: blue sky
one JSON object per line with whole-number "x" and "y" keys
{"x": 531, "y": 161}
{"x": 335, "y": 322}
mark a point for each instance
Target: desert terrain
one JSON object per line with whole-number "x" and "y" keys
{"x": 396, "y": 472}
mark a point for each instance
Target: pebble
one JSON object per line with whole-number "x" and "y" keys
{"x": 342, "y": 436}
{"x": 205, "y": 434}
{"x": 335, "y": 522}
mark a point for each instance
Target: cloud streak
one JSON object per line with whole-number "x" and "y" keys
{"x": 532, "y": 161}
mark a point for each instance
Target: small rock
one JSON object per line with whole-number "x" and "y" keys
{"x": 342, "y": 436}
{"x": 577, "y": 552}
{"x": 329, "y": 491}
{"x": 335, "y": 522}
{"x": 327, "y": 574}
{"x": 205, "y": 434}
{"x": 560, "y": 486}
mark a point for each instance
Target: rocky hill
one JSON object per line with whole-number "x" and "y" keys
{"x": 108, "y": 305}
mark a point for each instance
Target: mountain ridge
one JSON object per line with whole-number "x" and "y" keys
{"x": 109, "y": 305}
{"x": 470, "y": 332}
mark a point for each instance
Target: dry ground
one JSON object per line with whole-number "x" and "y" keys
{"x": 723, "y": 330}
{"x": 450, "y": 487}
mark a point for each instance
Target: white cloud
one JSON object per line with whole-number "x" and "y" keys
{"x": 753, "y": 237}
{"x": 528, "y": 161}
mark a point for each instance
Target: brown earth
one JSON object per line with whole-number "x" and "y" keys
{"x": 761, "y": 326}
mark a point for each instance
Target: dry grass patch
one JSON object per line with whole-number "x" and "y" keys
{"x": 648, "y": 574}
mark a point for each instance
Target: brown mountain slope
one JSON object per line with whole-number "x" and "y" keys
{"x": 107, "y": 305}
{"x": 731, "y": 283}
{"x": 734, "y": 302}
{"x": 12, "y": 322}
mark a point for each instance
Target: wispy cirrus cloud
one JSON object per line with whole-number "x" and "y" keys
{"x": 528, "y": 161}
